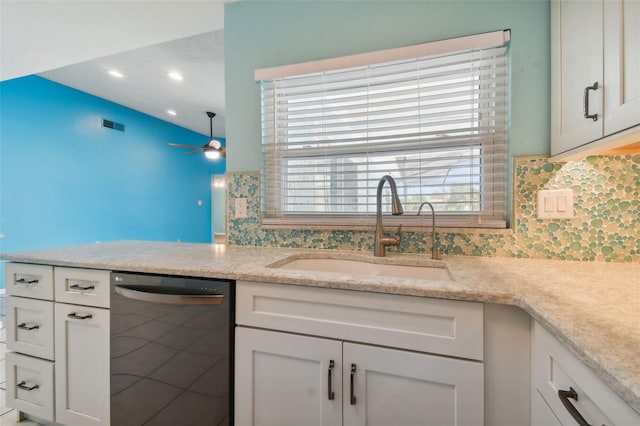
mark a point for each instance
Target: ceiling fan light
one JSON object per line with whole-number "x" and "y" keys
{"x": 215, "y": 144}
{"x": 212, "y": 155}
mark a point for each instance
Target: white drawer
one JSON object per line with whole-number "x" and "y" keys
{"x": 82, "y": 286}
{"x": 30, "y": 326}
{"x": 417, "y": 323}
{"x": 554, "y": 368}
{"x": 30, "y": 385}
{"x": 35, "y": 281}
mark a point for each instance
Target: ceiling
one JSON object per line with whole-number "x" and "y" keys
{"x": 144, "y": 40}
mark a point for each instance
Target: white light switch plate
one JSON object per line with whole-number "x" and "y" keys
{"x": 555, "y": 204}
{"x": 241, "y": 208}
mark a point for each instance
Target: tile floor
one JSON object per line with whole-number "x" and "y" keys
{"x": 7, "y": 415}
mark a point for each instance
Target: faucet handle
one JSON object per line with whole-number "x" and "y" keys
{"x": 399, "y": 233}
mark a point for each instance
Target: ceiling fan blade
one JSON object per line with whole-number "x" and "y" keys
{"x": 179, "y": 145}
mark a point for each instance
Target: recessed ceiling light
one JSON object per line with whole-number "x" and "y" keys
{"x": 116, "y": 73}
{"x": 175, "y": 76}
{"x": 171, "y": 112}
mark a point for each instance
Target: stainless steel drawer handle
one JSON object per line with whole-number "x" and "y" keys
{"x": 79, "y": 316}
{"x": 26, "y": 281}
{"x": 82, "y": 287}
{"x": 564, "y": 396}
{"x": 25, "y": 326}
{"x": 157, "y": 295}
{"x": 23, "y": 385}
{"x": 331, "y": 395}
{"x": 352, "y": 395}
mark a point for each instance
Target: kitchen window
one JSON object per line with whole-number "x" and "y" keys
{"x": 434, "y": 116}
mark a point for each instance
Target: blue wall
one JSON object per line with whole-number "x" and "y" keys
{"x": 66, "y": 180}
{"x": 260, "y": 34}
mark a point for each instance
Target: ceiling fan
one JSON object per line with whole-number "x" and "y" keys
{"x": 212, "y": 149}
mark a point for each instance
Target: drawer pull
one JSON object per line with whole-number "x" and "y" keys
{"x": 26, "y": 281}
{"x": 331, "y": 395}
{"x": 23, "y": 385}
{"x": 352, "y": 395}
{"x": 564, "y": 396}
{"x": 25, "y": 326}
{"x": 82, "y": 287}
{"x": 80, "y": 316}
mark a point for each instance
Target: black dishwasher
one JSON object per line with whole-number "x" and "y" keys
{"x": 171, "y": 350}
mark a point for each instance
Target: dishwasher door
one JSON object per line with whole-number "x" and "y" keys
{"x": 171, "y": 350}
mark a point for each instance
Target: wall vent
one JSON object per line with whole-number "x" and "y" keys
{"x": 112, "y": 125}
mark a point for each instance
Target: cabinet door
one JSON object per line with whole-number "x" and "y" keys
{"x": 82, "y": 365}
{"x": 394, "y": 387}
{"x": 621, "y": 64}
{"x": 576, "y": 63}
{"x": 541, "y": 413}
{"x": 283, "y": 379}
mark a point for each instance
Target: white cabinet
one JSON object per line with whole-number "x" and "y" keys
{"x": 563, "y": 389}
{"x": 58, "y": 346}
{"x": 395, "y": 387}
{"x": 345, "y": 377}
{"x": 82, "y": 360}
{"x": 287, "y": 379}
{"x": 30, "y": 385}
{"x": 595, "y": 63}
{"x": 283, "y": 379}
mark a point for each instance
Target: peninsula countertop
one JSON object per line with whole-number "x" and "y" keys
{"x": 592, "y": 307}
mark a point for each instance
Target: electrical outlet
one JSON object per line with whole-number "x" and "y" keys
{"x": 241, "y": 208}
{"x": 555, "y": 204}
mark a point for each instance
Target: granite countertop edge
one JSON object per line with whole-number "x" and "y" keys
{"x": 526, "y": 283}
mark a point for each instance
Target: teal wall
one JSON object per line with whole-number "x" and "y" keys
{"x": 260, "y": 34}
{"x": 66, "y": 180}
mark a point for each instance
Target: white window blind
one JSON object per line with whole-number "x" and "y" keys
{"x": 437, "y": 123}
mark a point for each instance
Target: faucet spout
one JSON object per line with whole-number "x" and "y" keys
{"x": 380, "y": 241}
{"x": 435, "y": 250}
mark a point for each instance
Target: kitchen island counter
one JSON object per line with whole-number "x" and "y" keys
{"x": 592, "y": 307}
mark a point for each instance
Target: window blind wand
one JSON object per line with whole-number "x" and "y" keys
{"x": 380, "y": 241}
{"x": 435, "y": 249}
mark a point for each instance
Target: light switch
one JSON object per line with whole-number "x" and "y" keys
{"x": 562, "y": 203}
{"x": 555, "y": 204}
{"x": 548, "y": 204}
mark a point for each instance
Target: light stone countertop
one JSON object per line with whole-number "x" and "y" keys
{"x": 592, "y": 307}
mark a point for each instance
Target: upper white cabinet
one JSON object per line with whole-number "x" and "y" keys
{"x": 595, "y": 64}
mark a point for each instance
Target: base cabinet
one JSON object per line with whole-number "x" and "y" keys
{"x": 394, "y": 387}
{"x": 558, "y": 375}
{"x": 81, "y": 352}
{"x": 287, "y": 379}
{"x": 283, "y": 379}
{"x": 58, "y": 367}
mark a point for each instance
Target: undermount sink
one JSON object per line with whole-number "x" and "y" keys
{"x": 348, "y": 266}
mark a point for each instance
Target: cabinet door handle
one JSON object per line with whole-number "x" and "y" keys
{"x": 351, "y": 393}
{"x": 585, "y": 102}
{"x": 25, "y": 326}
{"x": 82, "y": 287}
{"x": 23, "y": 385}
{"x": 26, "y": 281}
{"x": 331, "y": 395}
{"x": 564, "y": 396}
{"x": 79, "y": 316}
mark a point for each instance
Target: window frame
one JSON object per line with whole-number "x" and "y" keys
{"x": 317, "y": 220}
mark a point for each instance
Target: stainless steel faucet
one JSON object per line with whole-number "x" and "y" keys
{"x": 381, "y": 241}
{"x": 435, "y": 250}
